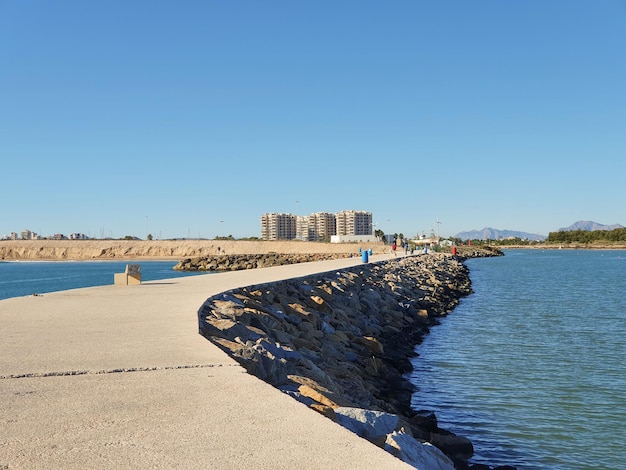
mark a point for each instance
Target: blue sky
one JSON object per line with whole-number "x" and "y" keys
{"x": 194, "y": 118}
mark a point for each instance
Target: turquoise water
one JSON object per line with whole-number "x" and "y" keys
{"x": 39, "y": 277}
{"x": 531, "y": 366}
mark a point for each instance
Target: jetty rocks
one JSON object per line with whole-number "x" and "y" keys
{"x": 251, "y": 261}
{"x": 341, "y": 342}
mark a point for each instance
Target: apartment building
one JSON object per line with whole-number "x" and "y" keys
{"x": 354, "y": 223}
{"x": 11, "y": 236}
{"x": 302, "y": 228}
{"x": 322, "y": 226}
{"x": 78, "y": 236}
{"x": 276, "y": 226}
{"x": 319, "y": 226}
{"x": 28, "y": 235}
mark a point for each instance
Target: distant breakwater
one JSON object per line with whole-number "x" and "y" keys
{"x": 236, "y": 262}
{"x": 252, "y": 261}
{"x": 341, "y": 342}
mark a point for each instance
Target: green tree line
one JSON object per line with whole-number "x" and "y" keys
{"x": 586, "y": 236}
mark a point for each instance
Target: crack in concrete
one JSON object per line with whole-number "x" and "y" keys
{"x": 111, "y": 371}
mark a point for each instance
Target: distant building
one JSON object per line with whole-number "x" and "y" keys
{"x": 276, "y": 226}
{"x": 322, "y": 226}
{"x": 28, "y": 235}
{"x": 354, "y": 223}
{"x": 319, "y": 226}
{"x": 78, "y": 236}
{"x": 302, "y": 228}
{"x": 353, "y": 239}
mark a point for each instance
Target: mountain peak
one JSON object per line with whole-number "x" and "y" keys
{"x": 588, "y": 225}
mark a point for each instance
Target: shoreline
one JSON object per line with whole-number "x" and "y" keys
{"x": 572, "y": 246}
{"x": 166, "y": 250}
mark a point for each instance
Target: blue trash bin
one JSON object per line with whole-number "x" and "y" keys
{"x": 364, "y": 256}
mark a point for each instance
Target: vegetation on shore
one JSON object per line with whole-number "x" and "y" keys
{"x": 617, "y": 235}
{"x": 593, "y": 239}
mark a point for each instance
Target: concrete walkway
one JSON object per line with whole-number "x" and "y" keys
{"x": 118, "y": 377}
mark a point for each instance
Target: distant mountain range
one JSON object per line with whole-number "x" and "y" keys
{"x": 590, "y": 226}
{"x": 489, "y": 233}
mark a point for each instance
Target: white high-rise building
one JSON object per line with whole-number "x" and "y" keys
{"x": 322, "y": 226}
{"x": 319, "y": 226}
{"x": 302, "y": 228}
{"x": 276, "y": 226}
{"x": 354, "y": 223}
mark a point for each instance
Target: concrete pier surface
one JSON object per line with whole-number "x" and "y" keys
{"x": 118, "y": 377}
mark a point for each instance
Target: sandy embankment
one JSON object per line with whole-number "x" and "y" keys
{"x": 164, "y": 249}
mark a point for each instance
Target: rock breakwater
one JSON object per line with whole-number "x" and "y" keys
{"x": 341, "y": 342}
{"x": 252, "y": 261}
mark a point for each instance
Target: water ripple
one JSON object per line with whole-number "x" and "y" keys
{"x": 530, "y": 367}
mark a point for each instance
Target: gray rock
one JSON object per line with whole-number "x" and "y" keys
{"x": 370, "y": 424}
{"x": 421, "y": 455}
{"x": 345, "y": 338}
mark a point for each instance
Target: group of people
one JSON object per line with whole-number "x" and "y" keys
{"x": 394, "y": 247}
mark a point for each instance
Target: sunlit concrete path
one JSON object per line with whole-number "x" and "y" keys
{"x": 118, "y": 377}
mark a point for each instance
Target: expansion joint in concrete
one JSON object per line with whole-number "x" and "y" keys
{"x": 111, "y": 371}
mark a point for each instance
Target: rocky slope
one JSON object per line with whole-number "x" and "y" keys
{"x": 253, "y": 261}
{"x": 340, "y": 342}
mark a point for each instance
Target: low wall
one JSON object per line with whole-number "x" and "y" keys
{"x": 342, "y": 341}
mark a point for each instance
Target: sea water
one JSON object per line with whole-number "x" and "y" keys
{"x": 21, "y": 278}
{"x": 531, "y": 367}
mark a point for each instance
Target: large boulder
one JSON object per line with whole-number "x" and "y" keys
{"x": 372, "y": 425}
{"x": 421, "y": 455}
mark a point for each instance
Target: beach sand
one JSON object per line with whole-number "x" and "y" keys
{"x": 166, "y": 249}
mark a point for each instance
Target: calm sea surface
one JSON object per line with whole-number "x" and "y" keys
{"x": 532, "y": 366}
{"x": 39, "y": 277}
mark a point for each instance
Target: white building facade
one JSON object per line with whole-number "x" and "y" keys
{"x": 354, "y": 223}
{"x": 276, "y": 226}
{"x": 319, "y": 226}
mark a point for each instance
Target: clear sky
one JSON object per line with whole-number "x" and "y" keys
{"x": 193, "y": 118}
